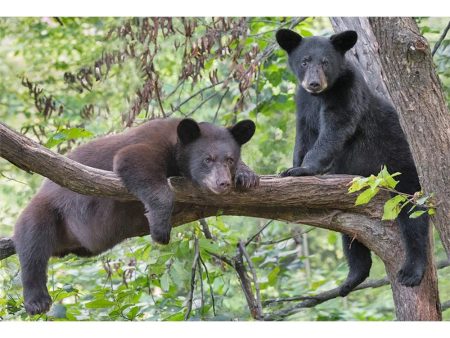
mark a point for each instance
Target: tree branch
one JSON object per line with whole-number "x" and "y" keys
{"x": 193, "y": 271}
{"x": 441, "y": 38}
{"x": 311, "y": 301}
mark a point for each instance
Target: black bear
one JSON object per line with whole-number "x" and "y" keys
{"x": 343, "y": 127}
{"x": 58, "y": 221}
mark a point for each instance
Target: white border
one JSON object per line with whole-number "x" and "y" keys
{"x": 224, "y": 329}
{"x": 224, "y": 8}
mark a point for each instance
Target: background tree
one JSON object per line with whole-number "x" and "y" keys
{"x": 86, "y": 77}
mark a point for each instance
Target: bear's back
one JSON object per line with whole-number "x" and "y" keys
{"x": 99, "y": 153}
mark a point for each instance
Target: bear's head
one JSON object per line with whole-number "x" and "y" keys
{"x": 208, "y": 154}
{"x": 316, "y": 61}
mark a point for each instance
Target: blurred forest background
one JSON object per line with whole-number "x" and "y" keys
{"x": 65, "y": 81}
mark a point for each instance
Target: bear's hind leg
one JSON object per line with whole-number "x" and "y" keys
{"x": 359, "y": 262}
{"x": 35, "y": 239}
{"x": 415, "y": 235}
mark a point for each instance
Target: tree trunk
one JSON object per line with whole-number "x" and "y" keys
{"x": 415, "y": 89}
{"x": 419, "y": 303}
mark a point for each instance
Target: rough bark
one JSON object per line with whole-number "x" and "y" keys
{"x": 416, "y": 91}
{"x": 386, "y": 66}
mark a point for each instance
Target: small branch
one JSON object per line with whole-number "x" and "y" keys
{"x": 193, "y": 270}
{"x": 220, "y": 105}
{"x": 311, "y": 301}
{"x": 12, "y": 179}
{"x": 194, "y": 95}
{"x": 205, "y": 229}
{"x": 158, "y": 98}
{"x": 224, "y": 259}
{"x": 6, "y": 248}
{"x": 200, "y": 273}
{"x": 200, "y": 104}
{"x": 445, "y": 305}
{"x": 246, "y": 285}
{"x": 258, "y": 232}
{"x": 210, "y": 286}
{"x": 259, "y": 313}
{"x": 441, "y": 38}
{"x": 286, "y": 238}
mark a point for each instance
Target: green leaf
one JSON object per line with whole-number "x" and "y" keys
{"x": 392, "y": 207}
{"x": 358, "y": 183}
{"x": 221, "y": 225}
{"x": 366, "y": 196}
{"x": 165, "y": 281}
{"x": 423, "y": 200}
{"x": 133, "y": 312}
{"x": 416, "y": 214}
{"x": 209, "y": 245}
{"x": 387, "y": 178}
{"x": 272, "y": 277}
{"x": 332, "y": 238}
{"x": 66, "y": 135}
{"x": 99, "y": 304}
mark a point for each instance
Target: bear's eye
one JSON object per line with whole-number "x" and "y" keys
{"x": 230, "y": 161}
{"x": 304, "y": 64}
{"x": 325, "y": 63}
{"x": 208, "y": 160}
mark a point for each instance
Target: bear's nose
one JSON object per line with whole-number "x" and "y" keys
{"x": 314, "y": 85}
{"x": 225, "y": 184}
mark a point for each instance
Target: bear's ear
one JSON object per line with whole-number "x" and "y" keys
{"x": 344, "y": 41}
{"x": 188, "y": 131}
{"x": 243, "y": 131}
{"x": 288, "y": 40}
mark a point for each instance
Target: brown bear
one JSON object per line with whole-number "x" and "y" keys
{"x": 58, "y": 221}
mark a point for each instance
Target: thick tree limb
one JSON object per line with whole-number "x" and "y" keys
{"x": 321, "y": 201}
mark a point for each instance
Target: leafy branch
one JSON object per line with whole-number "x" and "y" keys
{"x": 392, "y": 207}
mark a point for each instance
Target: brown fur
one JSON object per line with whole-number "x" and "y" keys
{"x": 58, "y": 221}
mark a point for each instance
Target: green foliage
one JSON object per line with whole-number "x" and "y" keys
{"x": 394, "y": 205}
{"x": 64, "y": 135}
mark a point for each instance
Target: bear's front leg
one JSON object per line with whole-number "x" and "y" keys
{"x": 143, "y": 171}
{"x": 245, "y": 177}
{"x": 334, "y": 132}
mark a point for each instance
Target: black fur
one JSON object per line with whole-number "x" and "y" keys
{"x": 58, "y": 221}
{"x": 343, "y": 127}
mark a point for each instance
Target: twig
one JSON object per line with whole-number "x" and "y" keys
{"x": 12, "y": 179}
{"x": 445, "y": 305}
{"x": 200, "y": 104}
{"x": 194, "y": 95}
{"x": 258, "y": 232}
{"x": 246, "y": 285}
{"x": 285, "y": 238}
{"x": 176, "y": 88}
{"x": 158, "y": 98}
{"x": 200, "y": 273}
{"x": 311, "y": 301}
{"x": 205, "y": 229}
{"x": 268, "y": 51}
{"x": 441, "y": 38}
{"x": 222, "y": 258}
{"x": 210, "y": 286}
{"x": 220, "y": 104}
{"x": 255, "y": 279}
{"x": 194, "y": 269}
{"x": 291, "y": 23}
